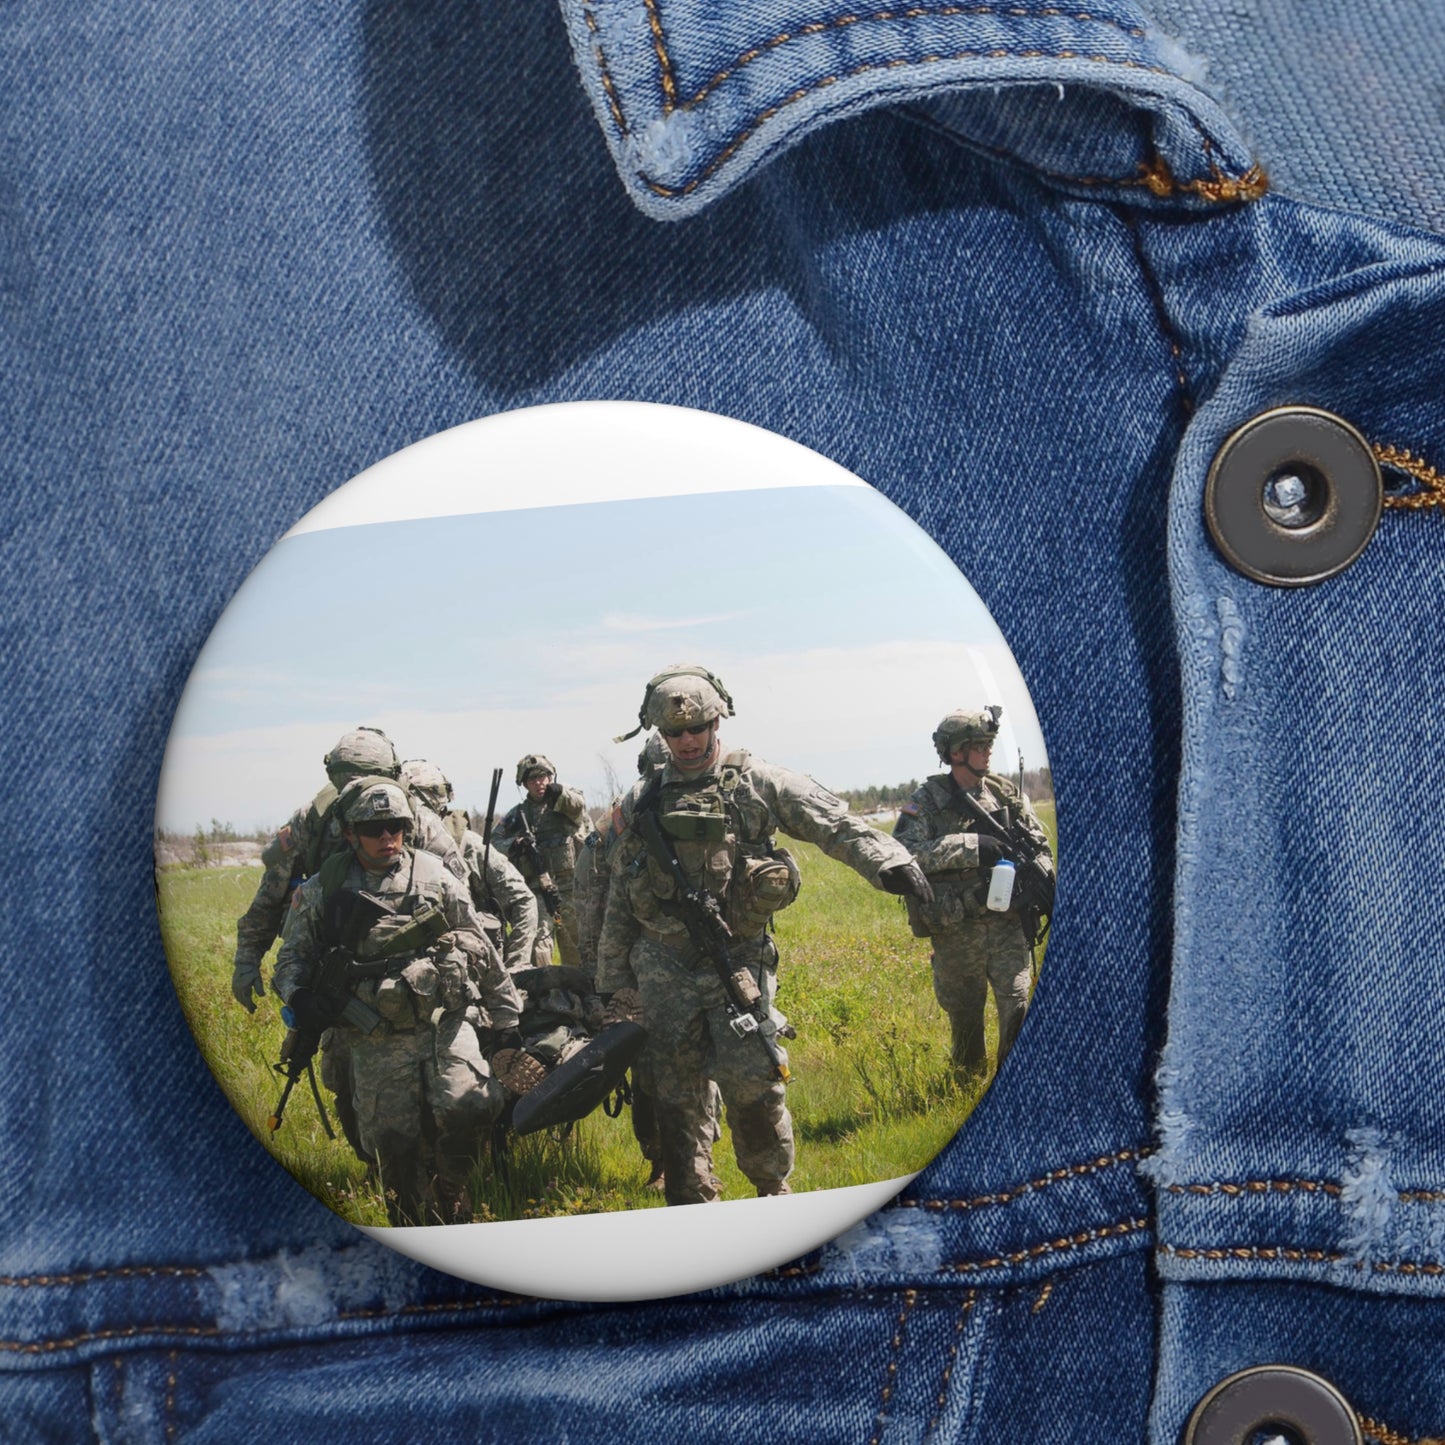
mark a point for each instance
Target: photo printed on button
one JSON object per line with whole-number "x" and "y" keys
{"x": 596, "y": 809}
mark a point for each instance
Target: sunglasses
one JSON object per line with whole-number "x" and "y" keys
{"x": 381, "y": 826}
{"x": 695, "y": 732}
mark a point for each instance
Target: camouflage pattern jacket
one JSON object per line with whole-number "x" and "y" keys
{"x": 944, "y": 841}
{"x": 497, "y": 887}
{"x": 299, "y": 849}
{"x": 743, "y": 869}
{"x": 559, "y": 827}
{"x": 412, "y": 983}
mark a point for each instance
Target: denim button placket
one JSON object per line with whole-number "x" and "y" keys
{"x": 1283, "y": 1398}
{"x": 1293, "y": 496}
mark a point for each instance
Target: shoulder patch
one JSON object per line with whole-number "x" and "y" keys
{"x": 286, "y": 838}
{"x": 910, "y": 808}
{"x": 618, "y": 824}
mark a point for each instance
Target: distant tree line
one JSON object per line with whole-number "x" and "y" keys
{"x": 1038, "y": 784}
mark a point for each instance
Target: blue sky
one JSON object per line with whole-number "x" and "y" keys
{"x": 841, "y": 629}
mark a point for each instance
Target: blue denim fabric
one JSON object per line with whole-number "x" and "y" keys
{"x": 246, "y": 254}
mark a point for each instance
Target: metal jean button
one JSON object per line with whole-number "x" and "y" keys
{"x": 1283, "y": 1399}
{"x": 1293, "y": 496}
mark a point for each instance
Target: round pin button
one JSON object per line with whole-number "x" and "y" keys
{"x": 596, "y": 809}
{"x": 1293, "y": 496}
{"x": 1283, "y": 1399}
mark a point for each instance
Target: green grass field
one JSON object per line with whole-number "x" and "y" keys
{"x": 872, "y": 1095}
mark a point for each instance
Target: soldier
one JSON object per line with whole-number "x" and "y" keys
{"x": 591, "y": 888}
{"x": 542, "y": 836}
{"x": 303, "y": 844}
{"x": 497, "y": 889}
{"x": 443, "y": 1003}
{"x": 715, "y": 818}
{"x": 973, "y": 947}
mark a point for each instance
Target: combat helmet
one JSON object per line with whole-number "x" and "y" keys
{"x": 363, "y": 752}
{"x": 966, "y": 727}
{"x": 428, "y": 782}
{"x": 534, "y": 763}
{"x": 371, "y": 799}
{"x": 681, "y": 696}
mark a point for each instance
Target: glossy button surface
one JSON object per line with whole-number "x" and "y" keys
{"x": 1280, "y": 1398}
{"x": 1293, "y": 496}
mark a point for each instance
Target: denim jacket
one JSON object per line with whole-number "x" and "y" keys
{"x": 1021, "y": 268}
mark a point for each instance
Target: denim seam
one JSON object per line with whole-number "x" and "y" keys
{"x": 1384, "y": 1435}
{"x": 1161, "y": 311}
{"x": 890, "y": 1375}
{"x": 613, "y": 100}
{"x": 129, "y": 1271}
{"x": 1043, "y": 1298}
{"x": 1403, "y": 460}
{"x": 1053, "y": 1246}
{"x": 913, "y": 12}
{"x": 1296, "y": 1255}
{"x": 1153, "y": 175}
{"x": 950, "y": 1360}
{"x": 42, "y": 1347}
{"x": 1235, "y": 1189}
{"x": 170, "y": 1405}
{"x": 1213, "y": 190}
{"x": 1054, "y": 1176}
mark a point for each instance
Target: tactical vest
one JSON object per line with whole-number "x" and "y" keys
{"x": 723, "y": 838}
{"x": 395, "y": 968}
{"x": 958, "y": 898}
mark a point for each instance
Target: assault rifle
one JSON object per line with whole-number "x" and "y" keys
{"x": 335, "y": 1003}
{"x": 1033, "y": 883}
{"x": 749, "y": 1015}
{"x": 350, "y": 916}
{"x": 524, "y": 845}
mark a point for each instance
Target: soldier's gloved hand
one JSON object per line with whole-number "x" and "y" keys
{"x": 306, "y": 1009}
{"x": 990, "y": 850}
{"x": 246, "y": 981}
{"x": 554, "y": 791}
{"x": 623, "y": 1007}
{"x": 517, "y": 1071}
{"x": 907, "y": 879}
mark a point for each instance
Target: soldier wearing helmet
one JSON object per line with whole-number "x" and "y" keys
{"x": 556, "y": 821}
{"x": 419, "y": 961}
{"x": 721, "y": 811}
{"x": 974, "y": 948}
{"x": 498, "y": 890}
{"x": 303, "y": 844}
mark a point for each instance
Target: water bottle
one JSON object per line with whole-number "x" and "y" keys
{"x": 1001, "y": 886}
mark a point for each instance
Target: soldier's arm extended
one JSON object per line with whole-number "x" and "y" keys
{"x": 807, "y": 810}
{"x": 923, "y": 832}
{"x": 518, "y": 905}
{"x": 259, "y": 926}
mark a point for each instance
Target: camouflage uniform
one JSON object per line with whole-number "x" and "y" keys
{"x": 299, "y": 849}
{"x": 644, "y": 946}
{"x": 560, "y": 826}
{"x": 498, "y": 888}
{"x": 973, "y": 948}
{"x": 423, "y": 1067}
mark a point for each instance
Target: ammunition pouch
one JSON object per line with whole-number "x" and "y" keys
{"x": 761, "y": 887}
{"x": 696, "y": 818}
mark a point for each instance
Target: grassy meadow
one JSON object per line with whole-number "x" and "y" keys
{"x": 872, "y": 1095}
